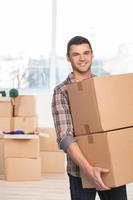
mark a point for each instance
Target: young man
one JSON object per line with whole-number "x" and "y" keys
{"x": 80, "y": 55}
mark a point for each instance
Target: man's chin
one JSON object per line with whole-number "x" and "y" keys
{"x": 83, "y": 71}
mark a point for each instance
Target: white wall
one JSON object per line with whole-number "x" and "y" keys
{"x": 43, "y": 106}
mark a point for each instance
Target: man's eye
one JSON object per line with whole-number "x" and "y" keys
{"x": 87, "y": 52}
{"x": 75, "y": 54}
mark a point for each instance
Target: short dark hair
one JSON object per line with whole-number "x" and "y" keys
{"x": 78, "y": 40}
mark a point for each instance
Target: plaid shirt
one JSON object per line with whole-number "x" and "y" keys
{"x": 63, "y": 121}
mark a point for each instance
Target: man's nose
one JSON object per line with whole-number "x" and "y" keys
{"x": 82, "y": 57}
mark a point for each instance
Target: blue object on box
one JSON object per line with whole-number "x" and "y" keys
{"x": 19, "y": 132}
{"x": 14, "y": 132}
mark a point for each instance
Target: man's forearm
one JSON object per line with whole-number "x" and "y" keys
{"x": 76, "y": 155}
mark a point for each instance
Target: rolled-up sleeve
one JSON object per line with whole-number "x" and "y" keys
{"x": 62, "y": 119}
{"x": 68, "y": 139}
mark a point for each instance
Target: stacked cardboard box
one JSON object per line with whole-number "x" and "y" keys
{"x": 25, "y": 118}
{"x": 6, "y": 113}
{"x": 1, "y": 159}
{"x": 20, "y": 154}
{"x": 18, "y": 114}
{"x": 53, "y": 159}
{"x": 102, "y": 112}
{"x": 20, "y": 157}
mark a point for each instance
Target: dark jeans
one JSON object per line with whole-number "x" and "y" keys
{"x": 78, "y": 193}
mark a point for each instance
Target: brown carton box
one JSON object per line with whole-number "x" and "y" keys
{"x": 22, "y": 169}
{"x": 25, "y": 105}
{"x": 48, "y": 143}
{"x": 112, "y": 150}
{"x": 52, "y": 162}
{"x": 23, "y": 146}
{"x": 6, "y": 107}
{"x": 102, "y": 103}
{"x": 26, "y": 124}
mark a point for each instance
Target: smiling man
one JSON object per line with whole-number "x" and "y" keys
{"x": 80, "y": 55}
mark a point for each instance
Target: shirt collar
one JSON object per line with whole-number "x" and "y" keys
{"x": 71, "y": 78}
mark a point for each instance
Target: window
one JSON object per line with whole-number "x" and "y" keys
{"x": 25, "y": 43}
{"x": 107, "y": 24}
{"x": 34, "y": 35}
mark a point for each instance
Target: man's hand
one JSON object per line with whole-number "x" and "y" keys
{"x": 95, "y": 175}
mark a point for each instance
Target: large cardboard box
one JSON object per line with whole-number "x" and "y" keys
{"x": 48, "y": 143}
{"x": 52, "y": 162}
{"x": 26, "y": 124}
{"x": 25, "y": 105}
{"x": 22, "y": 169}
{"x": 22, "y": 146}
{"x": 112, "y": 150}
{"x": 6, "y": 107}
{"x": 5, "y": 124}
{"x": 102, "y": 103}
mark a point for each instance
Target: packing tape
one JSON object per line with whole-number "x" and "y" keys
{"x": 80, "y": 86}
{"x": 17, "y": 104}
{"x": 12, "y": 124}
{"x": 90, "y": 139}
{"x": 13, "y": 106}
{"x": 90, "y": 136}
{"x": 87, "y": 129}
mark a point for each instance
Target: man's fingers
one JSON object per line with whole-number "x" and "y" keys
{"x": 100, "y": 181}
{"x": 97, "y": 179}
{"x": 103, "y": 170}
{"x": 104, "y": 187}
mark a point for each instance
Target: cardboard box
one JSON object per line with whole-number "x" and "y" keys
{"x": 5, "y": 124}
{"x": 102, "y": 103}
{"x": 25, "y": 105}
{"x": 22, "y": 146}
{"x": 1, "y": 157}
{"x": 48, "y": 143}
{"x": 26, "y": 124}
{"x": 17, "y": 146}
{"x": 22, "y": 169}
{"x": 52, "y": 162}
{"x": 6, "y": 107}
{"x": 112, "y": 150}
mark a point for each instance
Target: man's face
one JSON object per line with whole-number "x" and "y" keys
{"x": 80, "y": 57}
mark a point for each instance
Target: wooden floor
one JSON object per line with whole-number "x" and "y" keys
{"x": 50, "y": 187}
